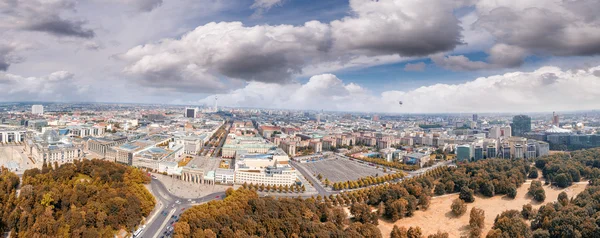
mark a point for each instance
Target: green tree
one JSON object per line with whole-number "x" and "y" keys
{"x": 466, "y": 194}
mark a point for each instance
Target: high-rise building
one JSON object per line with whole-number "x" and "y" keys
{"x": 505, "y": 131}
{"x": 491, "y": 151}
{"x": 495, "y": 132}
{"x": 375, "y": 117}
{"x": 475, "y": 117}
{"x": 191, "y": 112}
{"x": 520, "y": 125}
{"x": 478, "y": 153}
{"x": 37, "y": 109}
{"x": 555, "y": 120}
{"x": 463, "y": 153}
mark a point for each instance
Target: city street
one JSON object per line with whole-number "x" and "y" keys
{"x": 169, "y": 205}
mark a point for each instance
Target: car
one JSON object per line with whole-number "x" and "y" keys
{"x": 217, "y": 196}
{"x": 171, "y": 222}
{"x": 183, "y": 209}
{"x": 189, "y": 200}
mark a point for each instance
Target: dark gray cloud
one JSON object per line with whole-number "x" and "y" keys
{"x": 147, "y": 5}
{"x": 540, "y": 30}
{"x": 5, "y": 56}
{"x": 45, "y": 16}
{"x": 60, "y": 27}
{"x": 398, "y": 27}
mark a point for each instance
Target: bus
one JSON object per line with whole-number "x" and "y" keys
{"x": 139, "y": 231}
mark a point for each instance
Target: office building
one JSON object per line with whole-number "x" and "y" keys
{"x": 475, "y": 117}
{"x": 37, "y": 109}
{"x": 519, "y": 151}
{"x": 491, "y": 151}
{"x": 555, "y": 120}
{"x": 505, "y": 131}
{"x": 419, "y": 159}
{"x": 463, "y": 153}
{"x": 478, "y": 153}
{"x": 191, "y": 112}
{"x": 520, "y": 125}
{"x": 531, "y": 151}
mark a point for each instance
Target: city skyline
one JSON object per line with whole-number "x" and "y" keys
{"x": 308, "y": 56}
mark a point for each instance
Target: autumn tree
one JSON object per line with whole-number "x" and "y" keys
{"x": 458, "y": 207}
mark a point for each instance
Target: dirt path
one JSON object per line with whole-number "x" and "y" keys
{"x": 439, "y": 217}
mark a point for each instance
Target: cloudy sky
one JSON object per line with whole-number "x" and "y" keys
{"x": 356, "y": 55}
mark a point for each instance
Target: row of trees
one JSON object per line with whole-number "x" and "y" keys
{"x": 392, "y": 164}
{"x": 294, "y": 188}
{"x": 83, "y": 199}
{"x": 366, "y": 181}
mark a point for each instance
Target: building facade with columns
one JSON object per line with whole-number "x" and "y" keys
{"x": 11, "y": 135}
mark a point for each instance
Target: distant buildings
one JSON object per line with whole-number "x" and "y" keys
{"x": 37, "y": 109}
{"x": 521, "y": 124}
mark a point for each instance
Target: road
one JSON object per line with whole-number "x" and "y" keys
{"x": 169, "y": 205}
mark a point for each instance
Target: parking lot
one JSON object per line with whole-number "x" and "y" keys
{"x": 339, "y": 170}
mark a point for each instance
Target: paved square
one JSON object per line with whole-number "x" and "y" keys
{"x": 339, "y": 170}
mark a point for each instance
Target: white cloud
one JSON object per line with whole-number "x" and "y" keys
{"x": 545, "y": 89}
{"x": 262, "y": 6}
{"x": 56, "y": 86}
{"x": 376, "y": 33}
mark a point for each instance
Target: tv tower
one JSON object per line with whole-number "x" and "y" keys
{"x": 216, "y": 105}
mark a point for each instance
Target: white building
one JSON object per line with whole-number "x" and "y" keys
{"x": 271, "y": 168}
{"x": 37, "y": 109}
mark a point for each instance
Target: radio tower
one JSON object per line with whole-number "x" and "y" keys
{"x": 216, "y": 105}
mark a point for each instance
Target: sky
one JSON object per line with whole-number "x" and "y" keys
{"x": 435, "y": 56}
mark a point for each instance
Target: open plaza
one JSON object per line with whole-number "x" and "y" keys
{"x": 338, "y": 169}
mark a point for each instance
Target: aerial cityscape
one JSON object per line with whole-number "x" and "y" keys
{"x": 286, "y": 118}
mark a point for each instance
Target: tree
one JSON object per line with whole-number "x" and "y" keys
{"x": 533, "y": 173}
{"x": 510, "y": 224}
{"x": 440, "y": 189}
{"x": 487, "y": 189}
{"x": 466, "y": 194}
{"x": 439, "y": 235}
{"x": 477, "y": 218}
{"x": 537, "y": 191}
{"x": 563, "y": 198}
{"x": 399, "y": 232}
{"x": 527, "y": 211}
{"x": 414, "y": 232}
{"x": 562, "y": 180}
{"x": 512, "y": 192}
{"x": 458, "y": 207}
